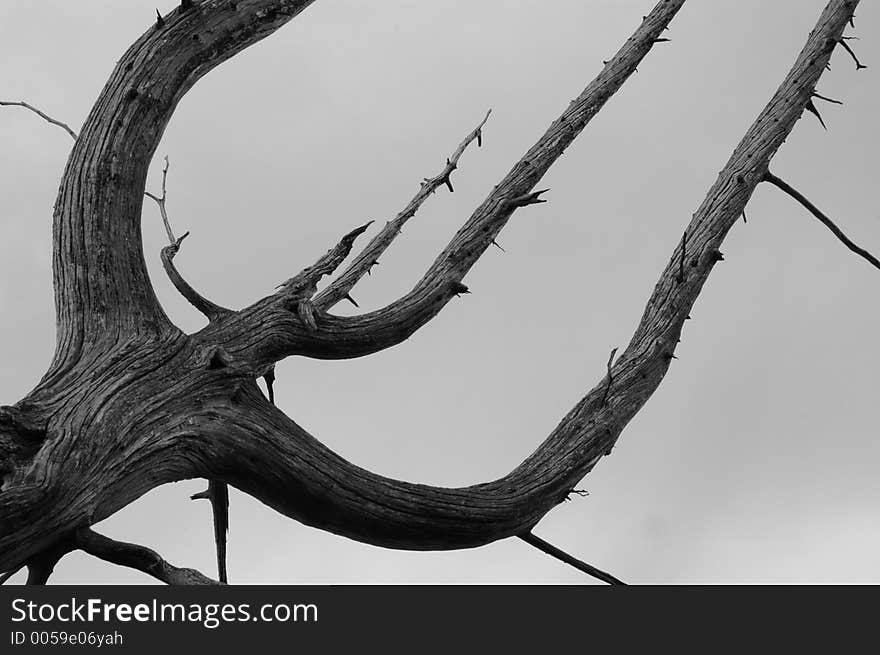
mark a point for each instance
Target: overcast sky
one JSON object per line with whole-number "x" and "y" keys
{"x": 755, "y": 461}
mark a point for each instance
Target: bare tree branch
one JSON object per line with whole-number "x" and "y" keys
{"x": 281, "y": 335}
{"x": 341, "y": 287}
{"x": 46, "y": 117}
{"x": 161, "y": 202}
{"x": 218, "y": 493}
{"x": 827, "y": 222}
{"x": 138, "y": 557}
{"x": 562, "y": 556}
{"x": 303, "y": 479}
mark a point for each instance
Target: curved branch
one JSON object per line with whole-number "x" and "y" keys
{"x": 138, "y": 557}
{"x": 255, "y": 447}
{"x": 46, "y": 117}
{"x": 266, "y": 333}
{"x": 102, "y": 290}
{"x": 212, "y": 311}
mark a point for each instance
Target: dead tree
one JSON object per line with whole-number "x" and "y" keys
{"x": 130, "y": 402}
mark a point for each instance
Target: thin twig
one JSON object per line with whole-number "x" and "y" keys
{"x": 138, "y": 557}
{"x": 44, "y": 116}
{"x": 369, "y": 256}
{"x": 562, "y": 556}
{"x": 162, "y": 202}
{"x": 781, "y": 184}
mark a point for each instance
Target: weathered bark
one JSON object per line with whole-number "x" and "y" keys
{"x": 130, "y": 402}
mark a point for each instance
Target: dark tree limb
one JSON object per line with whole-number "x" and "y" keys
{"x": 131, "y": 403}
{"x": 562, "y": 556}
{"x": 211, "y": 310}
{"x": 341, "y": 287}
{"x": 827, "y": 222}
{"x": 138, "y": 557}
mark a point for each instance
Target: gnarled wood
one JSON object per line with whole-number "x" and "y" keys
{"x": 131, "y": 403}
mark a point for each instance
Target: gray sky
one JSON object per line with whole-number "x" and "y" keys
{"x": 756, "y": 459}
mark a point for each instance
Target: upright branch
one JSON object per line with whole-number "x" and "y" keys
{"x": 341, "y": 287}
{"x": 827, "y": 222}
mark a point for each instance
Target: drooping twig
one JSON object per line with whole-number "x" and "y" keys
{"x": 341, "y": 287}
{"x": 44, "y": 116}
{"x": 781, "y": 184}
{"x": 562, "y": 556}
{"x": 138, "y": 557}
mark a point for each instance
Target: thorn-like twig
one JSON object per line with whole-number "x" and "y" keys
{"x": 269, "y": 379}
{"x": 816, "y": 94}
{"x": 562, "y": 556}
{"x": 161, "y": 201}
{"x": 782, "y": 185}
{"x": 608, "y": 375}
{"x": 528, "y": 199}
{"x": 160, "y": 22}
{"x": 45, "y": 117}
{"x": 843, "y": 41}
{"x": 498, "y": 245}
{"x": 811, "y": 107}
{"x": 662, "y": 40}
{"x": 458, "y": 288}
{"x": 745, "y": 220}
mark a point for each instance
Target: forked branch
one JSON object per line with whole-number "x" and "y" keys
{"x": 341, "y": 287}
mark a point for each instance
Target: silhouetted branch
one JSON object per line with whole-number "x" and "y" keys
{"x": 861, "y": 252}
{"x": 562, "y": 556}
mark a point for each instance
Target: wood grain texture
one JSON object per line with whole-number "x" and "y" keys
{"x": 130, "y": 402}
